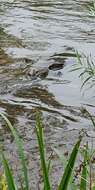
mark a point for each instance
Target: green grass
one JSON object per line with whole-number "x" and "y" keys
{"x": 65, "y": 183}
{"x": 9, "y": 177}
{"x": 21, "y": 155}
{"x": 91, "y": 8}
{"x": 69, "y": 168}
{"x": 39, "y": 132}
{"x": 83, "y": 182}
{"x": 86, "y": 67}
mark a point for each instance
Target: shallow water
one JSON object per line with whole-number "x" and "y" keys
{"x": 38, "y": 34}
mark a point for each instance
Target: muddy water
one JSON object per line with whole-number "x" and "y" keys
{"x": 36, "y": 34}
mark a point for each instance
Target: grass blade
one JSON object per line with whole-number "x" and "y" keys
{"x": 39, "y": 133}
{"x": 9, "y": 177}
{"x": 68, "y": 170}
{"x": 78, "y": 58}
{"x": 64, "y": 161}
{"x": 90, "y": 117}
{"x": 84, "y": 171}
{"x": 75, "y": 69}
{"x": 86, "y": 81}
{"x": 20, "y": 150}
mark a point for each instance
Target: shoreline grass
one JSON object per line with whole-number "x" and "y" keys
{"x": 67, "y": 173}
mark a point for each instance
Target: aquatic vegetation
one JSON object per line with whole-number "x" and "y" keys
{"x": 9, "y": 177}
{"x": 86, "y": 67}
{"x": 91, "y": 8}
{"x": 83, "y": 172}
{"x": 21, "y": 155}
{"x": 37, "y": 30}
{"x": 45, "y": 167}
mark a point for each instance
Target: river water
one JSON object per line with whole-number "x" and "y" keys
{"x": 36, "y": 34}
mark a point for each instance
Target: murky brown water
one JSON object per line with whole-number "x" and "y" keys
{"x": 38, "y": 34}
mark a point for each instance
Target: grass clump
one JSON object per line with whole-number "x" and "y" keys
{"x": 21, "y": 155}
{"x": 65, "y": 180}
{"x": 83, "y": 173}
{"x": 7, "y": 181}
{"x": 86, "y": 67}
{"x": 91, "y": 8}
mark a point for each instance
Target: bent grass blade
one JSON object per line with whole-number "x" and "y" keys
{"x": 20, "y": 150}
{"x": 9, "y": 177}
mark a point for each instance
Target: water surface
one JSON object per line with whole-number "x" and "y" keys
{"x": 36, "y": 34}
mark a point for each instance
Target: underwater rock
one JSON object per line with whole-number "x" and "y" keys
{"x": 41, "y": 72}
{"x": 56, "y": 66}
{"x": 27, "y": 60}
